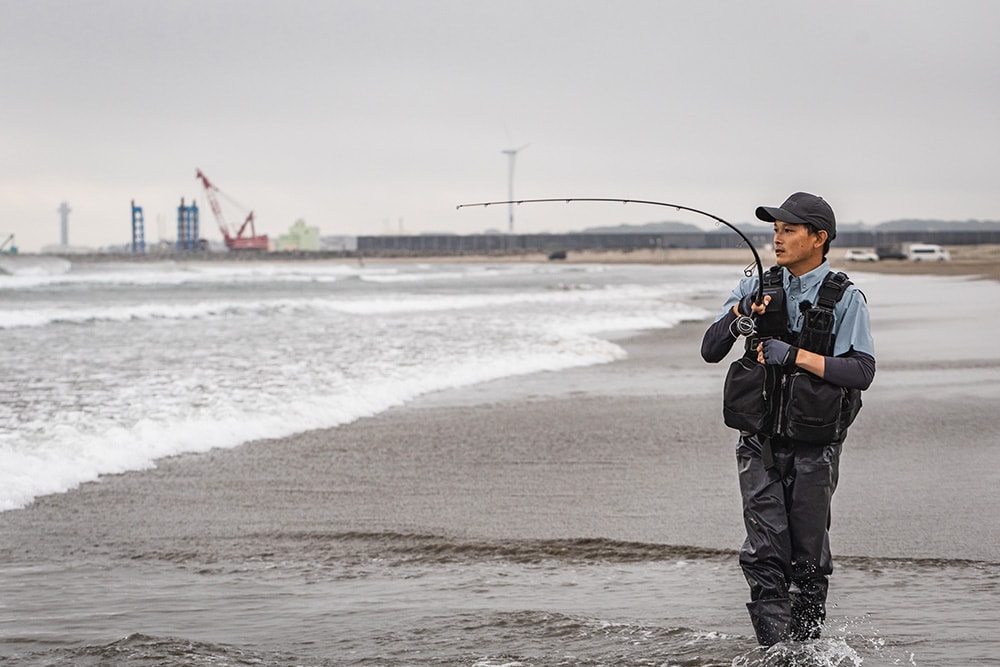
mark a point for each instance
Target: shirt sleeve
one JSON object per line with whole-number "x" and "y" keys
{"x": 719, "y": 338}
{"x": 853, "y": 329}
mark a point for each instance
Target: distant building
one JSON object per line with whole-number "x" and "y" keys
{"x": 58, "y": 249}
{"x": 339, "y": 243}
{"x": 300, "y": 237}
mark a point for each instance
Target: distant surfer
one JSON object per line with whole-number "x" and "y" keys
{"x": 809, "y": 353}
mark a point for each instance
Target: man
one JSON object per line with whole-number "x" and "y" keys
{"x": 787, "y": 476}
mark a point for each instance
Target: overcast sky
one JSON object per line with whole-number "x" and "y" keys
{"x": 371, "y": 116}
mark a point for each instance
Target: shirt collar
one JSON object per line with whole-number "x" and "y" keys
{"x": 808, "y": 281}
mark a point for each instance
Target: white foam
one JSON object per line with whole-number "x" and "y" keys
{"x": 73, "y": 454}
{"x": 98, "y": 386}
{"x": 27, "y": 316}
{"x": 37, "y": 317}
{"x": 412, "y": 277}
{"x": 32, "y": 267}
{"x": 177, "y": 273}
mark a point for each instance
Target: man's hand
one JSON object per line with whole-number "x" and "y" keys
{"x": 774, "y": 351}
{"x": 746, "y": 307}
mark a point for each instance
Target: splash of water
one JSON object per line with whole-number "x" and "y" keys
{"x": 832, "y": 652}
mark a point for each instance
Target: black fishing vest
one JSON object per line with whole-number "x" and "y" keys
{"x": 816, "y": 333}
{"x": 786, "y": 400}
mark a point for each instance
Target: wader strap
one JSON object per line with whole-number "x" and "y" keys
{"x": 766, "y": 456}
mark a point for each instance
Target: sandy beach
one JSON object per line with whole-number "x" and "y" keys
{"x": 973, "y": 260}
{"x": 981, "y": 261}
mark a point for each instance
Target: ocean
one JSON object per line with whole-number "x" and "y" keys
{"x": 109, "y": 367}
{"x": 299, "y": 421}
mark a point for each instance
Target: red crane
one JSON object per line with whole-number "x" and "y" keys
{"x": 237, "y": 241}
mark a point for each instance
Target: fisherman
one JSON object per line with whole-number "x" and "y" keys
{"x": 808, "y": 356}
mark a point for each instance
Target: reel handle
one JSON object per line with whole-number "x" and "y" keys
{"x": 745, "y": 326}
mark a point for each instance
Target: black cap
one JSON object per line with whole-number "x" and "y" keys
{"x": 802, "y": 208}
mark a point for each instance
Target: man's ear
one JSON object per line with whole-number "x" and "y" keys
{"x": 823, "y": 235}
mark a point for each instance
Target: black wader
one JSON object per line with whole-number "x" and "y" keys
{"x": 786, "y": 556}
{"x": 792, "y": 426}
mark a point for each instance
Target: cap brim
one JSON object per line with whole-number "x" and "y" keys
{"x": 769, "y": 214}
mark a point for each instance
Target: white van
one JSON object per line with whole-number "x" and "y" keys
{"x": 927, "y": 252}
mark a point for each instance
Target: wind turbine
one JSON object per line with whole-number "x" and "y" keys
{"x": 511, "y": 154}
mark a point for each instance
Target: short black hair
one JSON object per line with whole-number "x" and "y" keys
{"x": 826, "y": 245}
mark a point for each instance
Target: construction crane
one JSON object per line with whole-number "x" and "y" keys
{"x": 13, "y": 248}
{"x": 235, "y": 241}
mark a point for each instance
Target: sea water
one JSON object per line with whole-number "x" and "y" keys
{"x": 110, "y": 368}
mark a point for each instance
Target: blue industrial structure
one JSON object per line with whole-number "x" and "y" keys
{"x": 138, "y": 230}
{"x": 187, "y": 227}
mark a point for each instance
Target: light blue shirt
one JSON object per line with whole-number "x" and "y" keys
{"x": 851, "y": 323}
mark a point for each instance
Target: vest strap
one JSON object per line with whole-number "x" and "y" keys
{"x": 832, "y": 289}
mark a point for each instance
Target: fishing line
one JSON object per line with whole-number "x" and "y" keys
{"x": 743, "y": 323}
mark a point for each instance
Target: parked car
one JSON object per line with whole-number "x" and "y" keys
{"x": 927, "y": 252}
{"x": 891, "y": 251}
{"x": 855, "y": 255}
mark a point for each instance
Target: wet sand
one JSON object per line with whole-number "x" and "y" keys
{"x": 633, "y": 450}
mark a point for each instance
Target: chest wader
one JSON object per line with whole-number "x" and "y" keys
{"x": 791, "y": 424}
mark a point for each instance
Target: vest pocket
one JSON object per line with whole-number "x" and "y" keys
{"x": 747, "y": 395}
{"x": 812, "y": 409}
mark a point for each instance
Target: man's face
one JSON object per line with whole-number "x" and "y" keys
{"x": 797, "y": 247}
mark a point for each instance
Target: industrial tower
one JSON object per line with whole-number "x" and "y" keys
{"x": 138, "y": 230}
{"x": 64, "y": 211}
{"x": 187, "y": 227}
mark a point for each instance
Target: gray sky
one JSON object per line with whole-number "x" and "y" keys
{"x": 367, "y": 116}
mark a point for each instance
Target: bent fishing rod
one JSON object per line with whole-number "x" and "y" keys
{"x": 679, "y": 207}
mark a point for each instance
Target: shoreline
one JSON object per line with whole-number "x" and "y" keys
{"x": 982, "y": 261}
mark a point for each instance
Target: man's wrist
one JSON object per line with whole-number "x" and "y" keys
{"x": 792, "y": 356}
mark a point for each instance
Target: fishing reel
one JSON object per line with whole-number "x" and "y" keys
{"x": 768, "y": 324}
{"x": 745, "y": 326}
